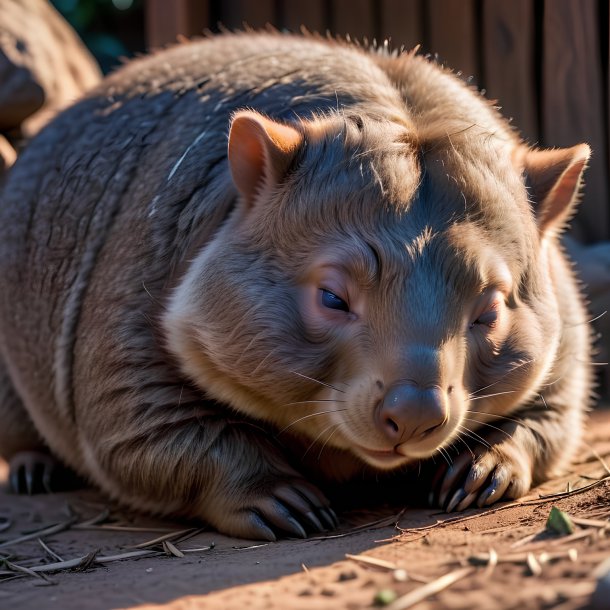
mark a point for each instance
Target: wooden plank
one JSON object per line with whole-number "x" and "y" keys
{"x": 452, "y": 34}
{"x": 402, "y": 22}
{"x": 309, "y": 14}
{"x": 354, "y": 18}
{"x": 572, "y": 108}
{"x": 234, "y": 14}
{"x": 167, "y": 20}
{"x": 508, "y": 62}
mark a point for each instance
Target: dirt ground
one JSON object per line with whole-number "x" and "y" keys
{"x": 501, "y": 558}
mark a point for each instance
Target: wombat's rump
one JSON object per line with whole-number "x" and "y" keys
{"x": 249, "y": 266}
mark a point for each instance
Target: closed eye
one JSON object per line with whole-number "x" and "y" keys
{"x": 489, "y": 317}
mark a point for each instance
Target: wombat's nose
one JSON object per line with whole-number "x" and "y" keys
{"x": 409, "y": 411}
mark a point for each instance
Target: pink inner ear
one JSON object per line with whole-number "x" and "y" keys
{"x": 260, "y": 151}
{"x": 555, "y": 177}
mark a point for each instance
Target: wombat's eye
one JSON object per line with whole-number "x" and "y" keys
{"x": 489, "y": 318}
{"x": 332, "y": 301}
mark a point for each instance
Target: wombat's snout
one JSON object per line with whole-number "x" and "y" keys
{"x": 409, "y": 412}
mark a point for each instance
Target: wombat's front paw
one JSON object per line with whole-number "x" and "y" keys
{"x": 32, "y": 472}
{"x": 286, "y": 507}
{"x": 485, "y": 475}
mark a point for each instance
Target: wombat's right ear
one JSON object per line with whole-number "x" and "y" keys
{"x": 554, "y": 178}
{"x": 260, "y": 151}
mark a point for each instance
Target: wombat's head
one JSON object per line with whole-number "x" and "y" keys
{"x": 377, "y": 288}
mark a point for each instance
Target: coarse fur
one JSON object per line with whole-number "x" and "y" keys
{"x": 249, "y": 266}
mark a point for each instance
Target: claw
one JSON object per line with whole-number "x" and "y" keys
{"x": 14, "y": 481}
{"x": 46, "y": 480}
{"x": 258, "y": 529}
{"x": 314, "y": 521}
{"x": 467, "y": 501}
{"x": 330, "y": 523}
{"x": 333, "y": 516}
{"x": 457, "y": 497}
{"x": 29, "y": 481}
{"x": 453, "y": 477}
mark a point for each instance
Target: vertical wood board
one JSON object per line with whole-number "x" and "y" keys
{"x": 402, "y": 23}
{"x": 354, "y": 18}
{"x": 167, "y": 20}
{"x": 453, "y": 35}
{"x": 508, "y": 68}
{"x": 572, "y": 110}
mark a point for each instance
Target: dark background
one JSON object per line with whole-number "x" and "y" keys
{"x": 111, "y": 29}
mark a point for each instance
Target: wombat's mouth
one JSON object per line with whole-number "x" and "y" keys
{"x": 386, "y": 458}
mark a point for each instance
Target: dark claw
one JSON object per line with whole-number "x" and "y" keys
{"x": 14, "y": 482}
{"x": 314, "y": 521}
{"x": 46, "y": 481}
{"x": 333, "y": 516}
{"x": 314, "y": 496}
{"x": 457, "y": 497}
{"x": 29, "y": 481}
{"x": 454, "y": 476}
{"x": 258, "y": 529}
{"x": 280, "y": 517}
{"x": 329, "y": 519}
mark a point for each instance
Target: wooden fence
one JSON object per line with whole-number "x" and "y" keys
{"x": 545, "y": 61}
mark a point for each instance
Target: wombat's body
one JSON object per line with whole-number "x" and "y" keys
{"x": 358, "y": 284}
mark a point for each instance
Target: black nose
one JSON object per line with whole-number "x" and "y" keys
{"x": 408, "y": 411}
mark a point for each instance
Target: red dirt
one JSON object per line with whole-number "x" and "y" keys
{"x": 314, "y": 573}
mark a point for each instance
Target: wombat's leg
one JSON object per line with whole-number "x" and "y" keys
{"x": 511, "y": 456}
{"x": 32, "y": 468}
{"x": 30, "y": 464}
{"x": 183, "y": 458}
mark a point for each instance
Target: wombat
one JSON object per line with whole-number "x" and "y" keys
{"x": 253, "y": 267}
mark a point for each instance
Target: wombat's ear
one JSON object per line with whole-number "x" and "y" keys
{"x": 260, "y": 151}
{"x": 553, "y": 178}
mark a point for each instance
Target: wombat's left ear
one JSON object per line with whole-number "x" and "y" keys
{"x": 260, "y": 151}
{"x": 553, "y": 178}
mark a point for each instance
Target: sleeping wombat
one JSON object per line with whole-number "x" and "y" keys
{"x": 246, "y": 267}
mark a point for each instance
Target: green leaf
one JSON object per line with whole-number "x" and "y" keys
{"x": 559, "y": 522}
{"x": 385, "y": 597}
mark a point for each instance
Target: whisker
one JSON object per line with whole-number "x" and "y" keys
{"x": 446, "y": 456}
{"x": 315, "y": 440}
{"x": 305, "y": 402}
{"x": 473, "y": 398}
{"x": 474, "y": 436}
{"x": 467, "y": 447}
{"x": 327, "y": 385}
{"x": 296, "y": 421}
{"x": 548, "y": 385}
{"x": 543, "y": 401}
{"x": 482, "y": 423}
{"x": 521, "y": 422}
{"x": 524, "y": 363}
{"x": 601, "y": 315}
{"x": 326, "y": 441}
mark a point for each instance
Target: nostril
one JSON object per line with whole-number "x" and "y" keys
{"x": 392, "y": 425}
{"x": 450, "y": 390}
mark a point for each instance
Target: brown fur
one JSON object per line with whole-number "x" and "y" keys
{"x": 163, "y": 321}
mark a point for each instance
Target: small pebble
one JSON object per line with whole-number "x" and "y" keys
{"x": 149, "y": 570}
{"x": 347, "y": 576}
{"x": 400, "y": 575}
{"x": 384, "y": 597}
